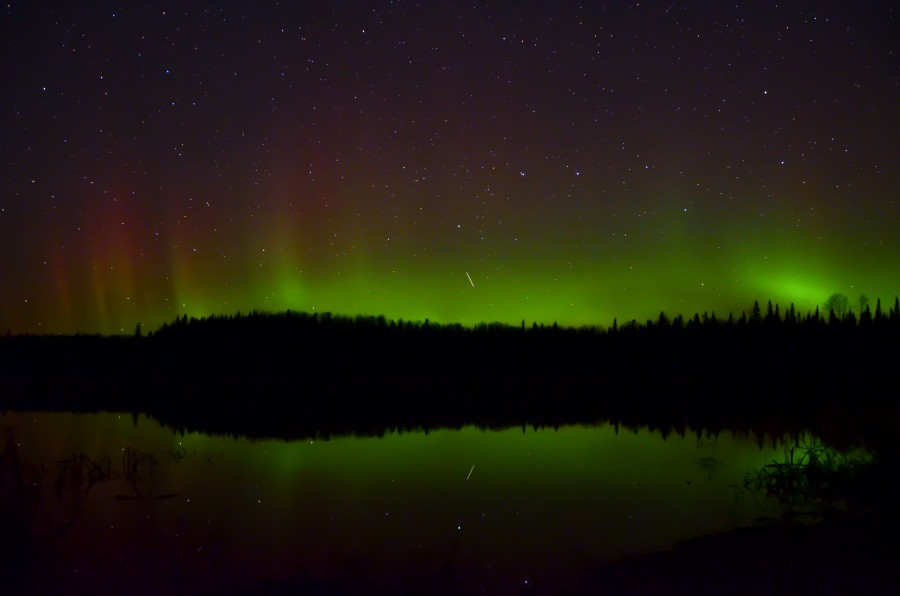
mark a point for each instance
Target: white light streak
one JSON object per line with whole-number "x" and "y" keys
{"x": 470, "y": 279}
{"x": 470, "y": 472}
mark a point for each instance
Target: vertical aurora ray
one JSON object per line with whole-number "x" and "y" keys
{"x": 118, "y": 250}
{"x": 362, "y": 160}
{"x": 247, "y": 511}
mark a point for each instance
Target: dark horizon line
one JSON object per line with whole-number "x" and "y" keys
{"x": 773, "y": 313}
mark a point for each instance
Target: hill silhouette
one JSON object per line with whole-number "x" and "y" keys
{"x": 297, "y": 374}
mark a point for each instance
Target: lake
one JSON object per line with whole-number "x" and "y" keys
{"x": 110, "y": 501}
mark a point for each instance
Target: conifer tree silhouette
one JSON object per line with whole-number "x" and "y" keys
{"x": 755, "y": 315}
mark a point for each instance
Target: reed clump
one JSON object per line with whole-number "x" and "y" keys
{"x": 813, "y": 480}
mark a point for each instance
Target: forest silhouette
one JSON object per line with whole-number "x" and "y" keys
{"x": 297, "y": 374}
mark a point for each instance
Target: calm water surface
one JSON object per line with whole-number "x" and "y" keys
{"x": 103, "y": 502}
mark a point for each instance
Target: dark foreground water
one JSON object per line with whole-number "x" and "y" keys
{"x": 94, "y": 501}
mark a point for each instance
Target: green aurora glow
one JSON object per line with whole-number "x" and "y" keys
{"x": 602, "y": 164}
{"x": 678, "y": 273}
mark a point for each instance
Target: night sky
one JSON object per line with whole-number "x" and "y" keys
{"x": 578, "y": 162}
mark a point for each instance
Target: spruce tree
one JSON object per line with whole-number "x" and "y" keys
{"x": 755, "y": 315}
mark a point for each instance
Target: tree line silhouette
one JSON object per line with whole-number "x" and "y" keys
{"x": 840, "y": 314}
{"x": 297, "y": 374}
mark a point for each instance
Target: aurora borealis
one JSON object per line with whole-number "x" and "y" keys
{"x": 398, "y": 508}
{"x": 578, "y": 161}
